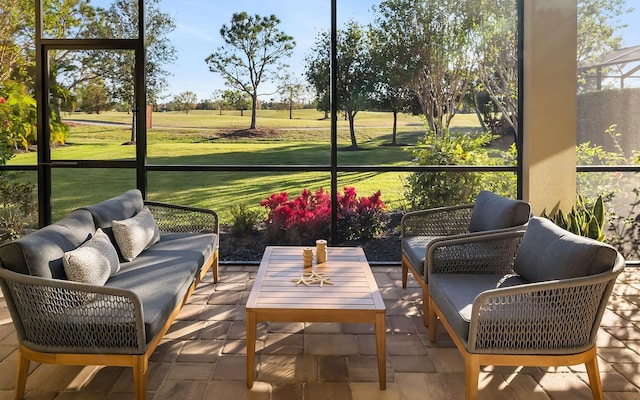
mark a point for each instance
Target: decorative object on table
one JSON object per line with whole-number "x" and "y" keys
{"x": 321, "y": 251}
{"x": 313, "y": 278}
{"x": 307, "y": 257}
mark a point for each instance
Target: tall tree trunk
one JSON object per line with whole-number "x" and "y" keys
{"x": 352, "y": 131}
{"x": 290, "y": 110}
{"x": 395, "y": 128}
{"x": 133, "y": 127}
{"x": 254, "y": 107}
{"x": 478, "y": 113}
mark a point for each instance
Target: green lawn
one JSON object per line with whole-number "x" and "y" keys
{"x": 207, "y": 138}
{"x": 265, "y": 119}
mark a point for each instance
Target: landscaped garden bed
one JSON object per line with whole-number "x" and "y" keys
{"x": 383, "y": 248}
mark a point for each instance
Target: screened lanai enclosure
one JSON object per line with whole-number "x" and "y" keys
{"x": 299, "y": 121}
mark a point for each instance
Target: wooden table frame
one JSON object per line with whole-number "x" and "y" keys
{"x": 353, "y": 298}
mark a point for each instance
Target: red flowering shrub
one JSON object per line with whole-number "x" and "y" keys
{"x": 307, "y": 217}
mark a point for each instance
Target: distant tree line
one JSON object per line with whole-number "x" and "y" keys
{"x": 414, "y": 57}
{"x": 430, "y": 57}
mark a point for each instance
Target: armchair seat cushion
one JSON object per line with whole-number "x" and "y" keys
{"x": 154, "y": 273}
{"x": 455, "y": 293}
{"x": 414, "y": 248}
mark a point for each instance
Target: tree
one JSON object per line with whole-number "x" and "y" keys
{"x": 440, "y": 49}
{"x": 598, "y": 21}
{"x": 495, "y": 93}
{"x": 252, "y": 52}
{"x": 64, "y": 19}
{"x": 318, "y": 73}
{"x": 186, "y": 101}
{"x": 94, "y": 97}
{"x": 118, "y": 67}
{"x": 237, "y": 99}
{"x": 13, "y": 45}
{"x": 354, "y": 74}
{"x": 497, "y": 69}
{"x": 291, "y": 91}
{"x": 218, "y": 100}
{"x": 392, "y": 87}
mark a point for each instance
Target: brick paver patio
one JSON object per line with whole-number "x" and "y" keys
{"x": 203, "y": 355}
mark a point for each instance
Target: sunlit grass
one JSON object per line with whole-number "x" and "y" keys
{"x": 202, "y": 138}
{"x": 268, "y": 119}
{"x": 231, "y": 119}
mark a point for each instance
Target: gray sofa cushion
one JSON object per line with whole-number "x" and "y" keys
{"x": 415, "y": 248}
{"x": 491, "y": 211}
{"x": 548, "y": 252}
{"x": 117, "y": 208}
{"x": 454, "y": 294}
{"x": 120, "y": 207}
{"x": 40, "y": 253}
{"x": 162, "y": 274}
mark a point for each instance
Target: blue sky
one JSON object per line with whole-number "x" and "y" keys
{"x": 198, "y": 24}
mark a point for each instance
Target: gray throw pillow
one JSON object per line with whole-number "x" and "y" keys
{"x": 93, "y": 262}
{"x": 136, "y": 234}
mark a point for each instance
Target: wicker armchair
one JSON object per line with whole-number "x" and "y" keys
{"x": 419, "y": 230}
{"x": 535, "y": 299}
{"x": 59, "y": 321}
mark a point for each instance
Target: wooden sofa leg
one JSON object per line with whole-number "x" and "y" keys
{"x": 425, "y": 304}
{"x": 472, "y": 373}
{"x": 214, "y": 268}
{"x": 432, "y": 321}
{"x": 140, "y": 368}
{"x": 21, "y": 375}
{"x": 594, "y": 378}
{"x": 405, "y": 272}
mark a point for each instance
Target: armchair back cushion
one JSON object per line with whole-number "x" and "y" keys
{"x": 40, "y": 253}
{"x": 491, "y": 211}
{"x": 548, "y": 252}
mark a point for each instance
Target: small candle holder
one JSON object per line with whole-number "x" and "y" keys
{"x": 321, "y": 251}
{"x": 307, "y": 257}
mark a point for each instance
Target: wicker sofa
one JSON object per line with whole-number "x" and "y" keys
{"x": 119, "y": 322}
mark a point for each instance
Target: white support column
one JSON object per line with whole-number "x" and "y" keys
{"x": 549, "y": 98}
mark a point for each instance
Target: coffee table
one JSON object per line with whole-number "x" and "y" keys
{"x": 352, "y": 298}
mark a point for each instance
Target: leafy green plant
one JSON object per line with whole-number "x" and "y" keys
{"x": 440, "y": 188}
{"x": 584, "y": 219}
{"x": 245, "y": 220}
{"x": 624, "y": 231}
{"x": 18, "y": 208}
{"x": 17, "y": 114}
{"x": 18, "y": 117}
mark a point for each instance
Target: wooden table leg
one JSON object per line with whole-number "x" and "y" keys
{"x": 381, "y": 349}
{"x": 251, "y": 346}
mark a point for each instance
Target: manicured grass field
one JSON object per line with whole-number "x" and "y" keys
{"x": 207, "y": 138}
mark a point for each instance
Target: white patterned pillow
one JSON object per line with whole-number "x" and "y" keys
{"x": 136, "y": 234}
{"x": 93, "y": 262}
